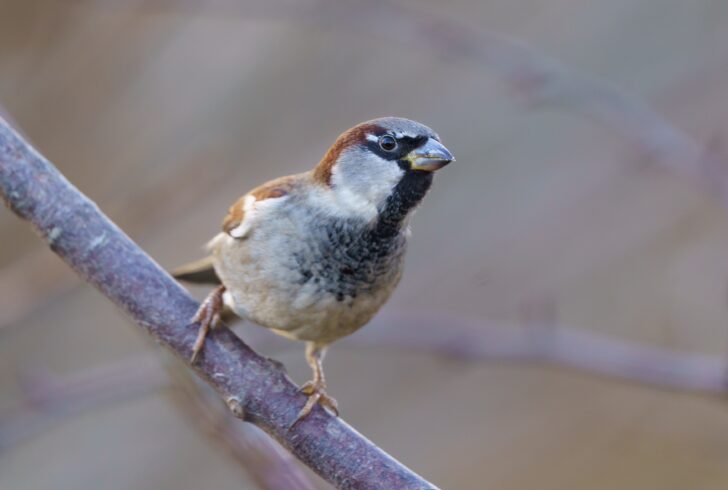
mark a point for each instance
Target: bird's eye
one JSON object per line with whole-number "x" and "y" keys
{"x": 387, "y": 143}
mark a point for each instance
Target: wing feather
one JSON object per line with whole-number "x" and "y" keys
{"x": 242, "y": 215}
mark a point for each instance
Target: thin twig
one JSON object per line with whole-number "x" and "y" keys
{"x": 255, "y": 389}
{"x": 472, "y": 340}
{"x": 558, "y": 345}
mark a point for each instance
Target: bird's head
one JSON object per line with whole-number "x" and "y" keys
{"x": 382, "y": 163}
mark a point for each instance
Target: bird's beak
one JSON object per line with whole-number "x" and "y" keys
{"x": 430, "y": 157}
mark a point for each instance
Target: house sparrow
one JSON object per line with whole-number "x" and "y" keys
{"x": 313, "y": 256}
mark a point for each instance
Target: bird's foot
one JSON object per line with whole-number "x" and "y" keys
{"x": 208, "y": 316}
{"x": 316, "y": 391}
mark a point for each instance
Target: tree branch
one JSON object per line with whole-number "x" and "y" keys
{"x": 255, "y": 388}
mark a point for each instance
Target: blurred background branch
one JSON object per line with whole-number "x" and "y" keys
{"x": 48, "y": 399}
{"x": 537, "y": 80}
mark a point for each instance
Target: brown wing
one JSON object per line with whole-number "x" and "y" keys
{"x": 270, "y": 190}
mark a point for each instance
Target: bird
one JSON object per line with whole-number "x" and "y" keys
{"x": 313, "y": 256}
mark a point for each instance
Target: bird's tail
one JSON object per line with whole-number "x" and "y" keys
{"x": 198, "y": 272}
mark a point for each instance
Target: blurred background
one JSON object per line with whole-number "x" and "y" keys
{"x": 563, "y": 319}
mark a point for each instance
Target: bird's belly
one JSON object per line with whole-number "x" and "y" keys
{"x": 306, "y": 312}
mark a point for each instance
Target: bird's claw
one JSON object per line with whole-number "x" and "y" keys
{"x": 316, "y": 391}
{"x": 208, "y": 316}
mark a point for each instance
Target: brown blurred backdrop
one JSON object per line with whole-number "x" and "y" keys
{"x": 165, "y": 112}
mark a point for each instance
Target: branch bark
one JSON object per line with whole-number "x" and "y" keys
{"x": 254, "y": 388}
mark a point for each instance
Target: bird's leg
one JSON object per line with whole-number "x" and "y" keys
{"x": 208, "y": 316}
{"x": 316, "y": 388}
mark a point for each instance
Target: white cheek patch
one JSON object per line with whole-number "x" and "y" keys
{"x": 362, "y": 181}
{"x": 252, "y": 211}
{"x": 348, "y": 201}
{"x": 380, "y": 179}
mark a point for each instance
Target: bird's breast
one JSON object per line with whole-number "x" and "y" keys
{"x": 312, "y": 279}
{"x": 346, "y": 262}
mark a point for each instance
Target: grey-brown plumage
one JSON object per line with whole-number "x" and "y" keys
{"x": 314, "y": 256}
